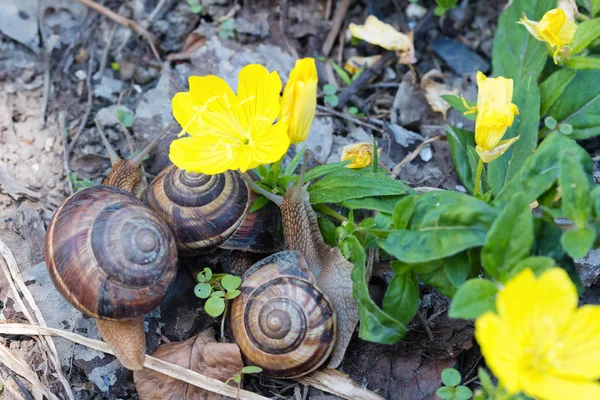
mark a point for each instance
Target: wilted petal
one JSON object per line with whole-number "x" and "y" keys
{"x": 361, "y": 155}
{"x": 490, "y": 155}
{"x": 381, "y": 34}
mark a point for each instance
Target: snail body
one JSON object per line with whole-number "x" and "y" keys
{"x": 210, "y": 211}
{"x": 281, "y": 321}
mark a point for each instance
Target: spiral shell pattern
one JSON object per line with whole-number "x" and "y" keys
{"x": 109, "y": 255}
{"x": 202, "y": 210}
{"x": 281, "y": 321}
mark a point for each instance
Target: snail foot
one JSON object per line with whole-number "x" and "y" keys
{"x": 127, "y": 340}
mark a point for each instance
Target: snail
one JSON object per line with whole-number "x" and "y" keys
{"x": 281, "y": 321}
{"x": 330, "y": 283}
{"x": 209, "y": 211}
{"x": 112, "y": 257}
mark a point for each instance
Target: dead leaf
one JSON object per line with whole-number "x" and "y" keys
{"x": 199, "y": 353}
{"x": 356, "y": 63}
{"x": 192, "y": 43}
{"x": 434, "y": 91}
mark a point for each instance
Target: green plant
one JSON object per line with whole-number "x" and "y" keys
{"x": 330, "y": 94}
{"x": 227, "y": 29}
{"x": 195, "y": 6}
{"x": 452, "y": 390}
{"x": 79, "y": 184}
{"x": 216, "y": 289}
{"x": 237, "y": 378}
{"x": 443, "y": 6}
{"x": 125, "y": 117}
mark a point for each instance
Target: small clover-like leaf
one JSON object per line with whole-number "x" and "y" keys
{"x": 218, "y": 293}
{"x": 450, "y": 377}
{"x": 550, "y": 122}
{"x": 463, "y": 393}
{"x": 231, "y": 282}
{"x": 445, "y": 392}
{"x": 203, "y": 290}
{"x": 329, "y": 89}
{"x": 251, "y": 369}
{"x": 233, "y": 294}
{"x": 208, "y": 273}
{"x": 214, "y": 306}
{"x": 237, "y": 378}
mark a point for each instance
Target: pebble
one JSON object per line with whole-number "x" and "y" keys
{"x": 459, "y": 57}
{"x": 425, "y": 154}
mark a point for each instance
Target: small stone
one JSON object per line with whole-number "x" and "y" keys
{"x": 320, "y": 138}
{"x": 80, "y": 74}
{"x": 425, "y": 154}
{"x": 415, "y": 11}
{"x": 48, "y": 144}
{"x": 403, "y": 136}
{"x": 107, "y": 88}
{"x": 459, "y": 57}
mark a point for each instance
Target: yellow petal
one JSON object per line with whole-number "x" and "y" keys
{"x": 270, "y": 145}
{"x": 299, "y": 101}
{"x": 550, "y": 387}
{"x": 361, "y": 155}
{"x": 530, "y": 25}
{"x": 258, "y": 94}
{"x": 579, "y": 349}
{"x": 381, "y": 34}
{"x": 500, "y": 349}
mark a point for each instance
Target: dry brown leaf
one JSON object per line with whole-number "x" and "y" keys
{"x": 434, "y": 91}
{"x": 192, "y": 43}
{"x": 356, "y": 63}
{"x": 199, "y": 353}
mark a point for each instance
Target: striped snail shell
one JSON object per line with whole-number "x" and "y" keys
{"x": 281, "y": 321}
{"x": 209, "y": 211}
{"x": 109, "y": 255}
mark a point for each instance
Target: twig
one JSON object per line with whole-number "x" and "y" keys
{"x": 365, "y": 77}
{"x": 425, "y": 325}
{"x": 328, "y": 379}
{"x": 349, "y": 118}
{"x": 63, "y": 134}
{"x": 88, "y": 106}
{"x": 413, "y": 155}
{"x": 166, "y": 368}
{"x": 336, "y": 24}
{"x": 126, "y": 22}
{"x": 106, "y": 50}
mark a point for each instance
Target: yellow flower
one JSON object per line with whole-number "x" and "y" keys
{"x": 299, "y": 100}
{"x": 229, "y": 131}
{"x": 555, "y": 28}
{"x": 495, "y": 113}
{"x": 539, "y": 342}
{"x": 361, "y": 154}
{"x": 384, "y": 35}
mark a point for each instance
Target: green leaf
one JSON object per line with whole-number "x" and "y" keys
{"x": 341, "y": 73}
{"x": 327, "y": 229}
{"x": 456, "y": 102}
{"x": 207, "y": 273}
{"x": 384, "y": 204}
{"x": 540, "y": 171}
{"x": 577, "y": 243}
{"x": 434, "y": 274}
{"x": 125, "y": 117}
{"x": 457, "y": 268}
{"x": 509, "y": 240}
{"x": 214, "y": 306}
{"x": 375, "y": 324}
{"x": 237, "y": 378}
{"x": 432, "y": 243}
{"x": 375, "y": 161}
{"x": 401, "y": 299}
{"x": 259, "y": 203}
{"x": 446, "y": 3}
{"x": 342, "y": 185}
{"x": 585, "y": 34}
{"x": 575, "y": 186}
{"x": 251, "y": 369}
{"x": 315, "y": 172}
{"x": 516, "y": 53}
{"x": 352, "y": 110}
{"x": 404, "y": 211}
{"x": 583, "y": 63}
{"x": 579, "y": 105}
{"x": 525, "y": 125}
{"x": 231, "y": 282}
{"x": 463, "y": 393}
{"x": 486, "y": 382}
{"x": 115, "y": 66}
{"x": 451, "y": 377}
{"x": 445, "y": 392}
{"x": 332, "y": 100}
{"x": 329, "y": 89}
{"x": 460, "y": 141}
{"x": 565, "y": 129}
{"x": 232, "y": 294}
{"x": 202, "y": 290}
{"x": 595, "y": 196}
{"x": 473, "y": 298}
{"x": 553, "y": 87}
{"x": 550, "y": 122}
{"x": 293, "y": 164}
{"x": 595, "y": 7}
{"x": 537, "y": 264}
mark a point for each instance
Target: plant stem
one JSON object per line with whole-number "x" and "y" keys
{"x": 223, "y": 321}
{"x": 330, "y": 212}
{"x": 478, "y": 177}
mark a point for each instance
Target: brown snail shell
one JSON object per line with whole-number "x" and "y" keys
{"x": 109, "y": 255}
{"x": 209, "y": 211}
{"x": 281, "y": 321}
